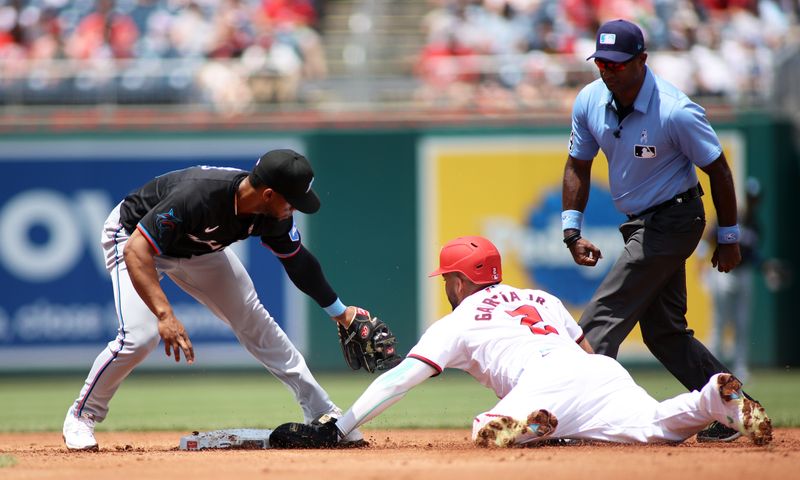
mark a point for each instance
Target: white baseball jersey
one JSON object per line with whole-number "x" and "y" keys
{"x": 495, "y": 334}
{"x": 523, "y": 344}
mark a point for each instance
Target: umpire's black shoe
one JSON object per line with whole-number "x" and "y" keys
{"x": 717, "y": 432}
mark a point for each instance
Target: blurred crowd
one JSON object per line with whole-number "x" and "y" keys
{"x": 521, "y": 52}
{"x": 232, "y": 53}
{"x": 235, "y": 54}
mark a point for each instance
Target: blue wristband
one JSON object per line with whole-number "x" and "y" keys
{"x": 571, "y": 219}
{"x": 335, "y": 309}
{"x": 728, "y": 234}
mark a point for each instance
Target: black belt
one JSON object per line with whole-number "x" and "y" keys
{"x": 691, "y": 194}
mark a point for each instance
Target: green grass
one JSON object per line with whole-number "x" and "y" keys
{"x": 7, "y": 461}
{"x": 207, "y": 400}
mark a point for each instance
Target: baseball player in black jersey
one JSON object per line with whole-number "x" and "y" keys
{"x": 178, "y": 225}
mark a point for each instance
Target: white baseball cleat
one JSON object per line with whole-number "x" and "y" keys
{"x": 752, "y": 420}
{"x": 505, "y": 431}
{"x": 352, "y": 439}
{"x": 78, "y": 432}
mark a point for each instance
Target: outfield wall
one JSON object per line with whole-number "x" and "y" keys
{"x": 390, "y": 197}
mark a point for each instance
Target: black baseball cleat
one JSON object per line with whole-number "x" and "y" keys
{"x": 717, "y": 432}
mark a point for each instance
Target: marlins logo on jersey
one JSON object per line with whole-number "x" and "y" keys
{"x": 167, "y": 221}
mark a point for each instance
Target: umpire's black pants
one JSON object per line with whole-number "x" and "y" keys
{"x": 647, "y": 285}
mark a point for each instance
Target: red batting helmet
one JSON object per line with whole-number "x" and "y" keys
{"x": 475, "y": 257}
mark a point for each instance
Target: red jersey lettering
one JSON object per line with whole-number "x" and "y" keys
{"x": 530, "y": 318}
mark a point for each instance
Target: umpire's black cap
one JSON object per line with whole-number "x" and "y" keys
{"x": 289, "y": 173}
{"x": 618, "y": 41}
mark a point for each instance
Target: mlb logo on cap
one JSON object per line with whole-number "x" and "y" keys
{"x": 608, "y": 38}
{"x": 618, "y": 41}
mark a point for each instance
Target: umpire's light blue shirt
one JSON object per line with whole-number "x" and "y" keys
{"x": 659, "y": 142}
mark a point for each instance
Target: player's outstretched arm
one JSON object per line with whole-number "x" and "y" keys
{"x": 384, "y": 392}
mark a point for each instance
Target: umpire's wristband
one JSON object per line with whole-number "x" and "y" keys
{"x": 728, "y": 234}
{"x": 571, "y": 219}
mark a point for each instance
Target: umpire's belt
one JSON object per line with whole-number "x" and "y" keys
{"x": 692, "y": 193}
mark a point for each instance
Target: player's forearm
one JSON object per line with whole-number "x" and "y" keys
{"x": 384, "y": 392}
{"x": 144, "y": 277}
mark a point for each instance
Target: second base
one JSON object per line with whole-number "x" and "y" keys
{"x": 235, "y": 438}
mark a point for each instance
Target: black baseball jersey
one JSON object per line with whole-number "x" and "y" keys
{"x": 193, "y": 212}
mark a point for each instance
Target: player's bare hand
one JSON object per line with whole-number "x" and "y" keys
{"x": 175, "y": 339}
{"x": 726, "y": 257}
{"x": 585, "y": 253}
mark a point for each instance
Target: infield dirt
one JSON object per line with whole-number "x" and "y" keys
{"x": 397, "y": 455}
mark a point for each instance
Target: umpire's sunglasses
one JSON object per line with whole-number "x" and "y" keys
{"x": 612, "y": 66}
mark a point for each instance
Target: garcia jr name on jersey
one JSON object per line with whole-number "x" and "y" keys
{"x": 498, "y": 332}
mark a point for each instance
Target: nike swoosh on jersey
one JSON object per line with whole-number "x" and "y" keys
{"x": 211, "y": 229}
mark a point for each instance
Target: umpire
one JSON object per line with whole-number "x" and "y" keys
{"x": 653, "y": 136}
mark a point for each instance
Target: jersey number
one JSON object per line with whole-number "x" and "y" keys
{"x": 530, "y": 317}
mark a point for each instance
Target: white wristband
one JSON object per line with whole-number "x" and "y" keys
{"x": 728, "y": 234}
{"x": 571, "y": 219}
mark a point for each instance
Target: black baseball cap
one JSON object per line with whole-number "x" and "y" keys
{"x": 618, "y": 41}
{"x": 288, "y": 173}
